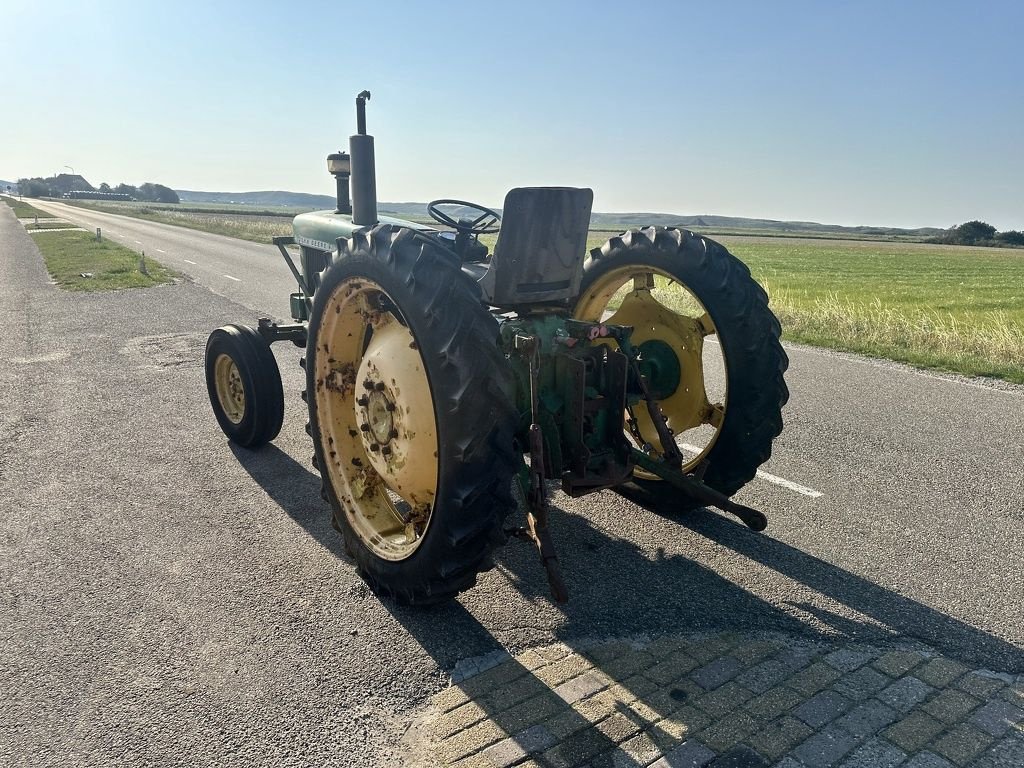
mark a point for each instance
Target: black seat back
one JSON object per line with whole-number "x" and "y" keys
{"x": 541, "y": 246}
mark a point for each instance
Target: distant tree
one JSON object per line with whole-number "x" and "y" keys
{"x": 158, "y": 193}
{"x": 104, "y": 187}
{"x": 36, "y": 187}
{"x": 973, "y": 232}
{"x": 1012, "y": 237}
{"x": 126, "y": 189}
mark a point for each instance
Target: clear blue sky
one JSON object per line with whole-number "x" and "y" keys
{"x": 894, "y": 113}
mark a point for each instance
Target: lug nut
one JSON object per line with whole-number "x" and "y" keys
{"x": 386, "y": 450}
{"x": 368, "y": 384}
{"x": 363, "y": 401}
{"x": 374, "y": 447}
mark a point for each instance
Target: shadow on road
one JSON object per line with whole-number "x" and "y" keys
{"x": 618, "y": 589}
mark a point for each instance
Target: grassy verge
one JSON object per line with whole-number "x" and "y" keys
{"x": 50, "y": 224}
{"x": 70, "y": 254}
{"x": 259, "y": 227}
{"x": 22, "y": 209}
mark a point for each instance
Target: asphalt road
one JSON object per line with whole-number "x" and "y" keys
{"x": 166, "y": 599}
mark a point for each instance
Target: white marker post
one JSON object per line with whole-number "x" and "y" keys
{"x": 99, "y": 235}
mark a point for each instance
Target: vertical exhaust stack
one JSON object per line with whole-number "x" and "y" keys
{"x": 364, "y": 172}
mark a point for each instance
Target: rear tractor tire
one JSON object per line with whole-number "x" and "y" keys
{"x": 244, "y": 384}
{"x": 682, "y": 293}
{"x": 410, "y": 414}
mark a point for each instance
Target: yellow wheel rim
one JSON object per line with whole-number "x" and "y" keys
{"x": 376, "y": 420}
{"x": 660, "y": 308}
{"x": 230, "y": 392}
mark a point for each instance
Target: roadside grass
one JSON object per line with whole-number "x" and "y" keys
{"x": 258, "y": 227}
{"x": 50, "y": 224}
{"x": 70, "y": 254}
{"x": 953, "y": 308}
{"x": 23, "y": 210}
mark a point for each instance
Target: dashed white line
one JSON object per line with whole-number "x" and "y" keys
{"x": 188, "y": 262}
{"x": 780, "y": 481}
{"x": 236, "y": 279}
{"x": 138, "y": 242}
{"x": 160, "y": 250}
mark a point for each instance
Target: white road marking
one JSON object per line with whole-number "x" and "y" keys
{"x": 160, "y": 250}
{"x": 236, "y": 279}
{"x": 780, "y": 481}
{"x": 188, "y": 262}
{"x": 138, "y": 242}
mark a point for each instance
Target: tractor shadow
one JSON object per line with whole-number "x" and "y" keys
{"x": 619, "y": 589}
{"x": 295, "y": 489}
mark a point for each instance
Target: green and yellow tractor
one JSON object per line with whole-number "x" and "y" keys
{"x": 448, "y": 383}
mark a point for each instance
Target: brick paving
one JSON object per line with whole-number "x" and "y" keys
{"x": 722, "y": 699}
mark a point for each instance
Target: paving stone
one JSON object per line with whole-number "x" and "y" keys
{"x": 717, "y": 673}
{"x": 713, "y": 647}
{"x": 850, "y": 658}
{"x": 450, "y": 698}
{"x": 963, "y": 744}
{"x": 565, "y": 724}
{"x": 997, "y": 717}
{"x": 668, "y": 699}
{"x": 951, "y": 705}
{"x": 558, "y": 672}
{"x": 877, "y": 753}
{"x": 628, "y": 664}
{"x": 822, "y": 708}
{"x": 905, "y": 693}
{"x": 531, "y": 660}
{"x": 811, "y": 680}
{"x": 755, "y": 651}
{"x": 773, "y": 703}
{"x": 510, "y": 751}
{"x": 473, "y": 761}
{"x": 723, "y": 700}
{"x": 898, "y": 663}
{"x": 641, "y": 749}
{"x": 473, "y": 739}
{"x": 632, "y": 688}
{"x": 927, "y": 760}
{"x": 555, "y": 651}
{"x": 825, "y": 747}
{"x": 600, "y": 654}
{"x": 868, "y": 718}
{"x": 1008, "y": 752}
{"x": 577, "y": 749}
{"x": 530, "y": 712}
{"x": 728, "y": 731}
{"x": 598, "y": 706}
{"x": 672, "y": 668}
{"x": 739, "y": 756}
{"x": 580, "y": 687}
{"x": 1014, "y": 694}
{"x": 789, "y": 762}
{"x": 457, "y": 719}
{"x": 671, "y": 731}
{"x": 512, "y": 693}
{"x": 617, "y": 727}
{"x": 796, "y": 657}
{"x": 690, "y": 754}
{"x": 914, "y": 731}
{"x": 940, "y": 672}
{"x": 978, "y": 685}
{"x": 664, "y": 647}
{"x": 778, "y": 737}
{"x": 763, "y": 676}
{"x": 487, "y": 681}
{"x": 862, "y": 684}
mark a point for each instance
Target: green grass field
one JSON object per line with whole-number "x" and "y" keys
{"x": 954, "y": 308}
{"x": 22, "y": 209}
{"x": 111, "y": 266}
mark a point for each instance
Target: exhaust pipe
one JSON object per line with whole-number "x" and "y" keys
{"x": 364, "y": 172}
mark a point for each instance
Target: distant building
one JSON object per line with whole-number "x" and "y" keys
{"x": 70, "y": 182}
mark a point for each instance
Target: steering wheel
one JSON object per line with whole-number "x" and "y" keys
{"x": 484, "y": 224}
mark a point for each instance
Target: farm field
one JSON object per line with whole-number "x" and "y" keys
{"x": 953, "y": 308}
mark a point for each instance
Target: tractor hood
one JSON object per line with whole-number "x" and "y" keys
{"x": 321, "y": 229}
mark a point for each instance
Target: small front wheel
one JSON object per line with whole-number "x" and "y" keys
{"x": 244, "y": 383}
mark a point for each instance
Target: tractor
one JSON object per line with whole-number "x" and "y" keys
{"x": 451, "y": 383}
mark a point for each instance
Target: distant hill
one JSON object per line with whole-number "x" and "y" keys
{"x": 270, "y": 198}
{"x": 610, "y": 221}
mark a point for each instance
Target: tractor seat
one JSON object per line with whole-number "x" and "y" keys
{"x": 538, "y": 258}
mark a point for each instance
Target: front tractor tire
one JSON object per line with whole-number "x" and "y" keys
{"x": 713, "y": 354}
{"x": 410, "y": 414}
{"x": 244, "y": 384}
